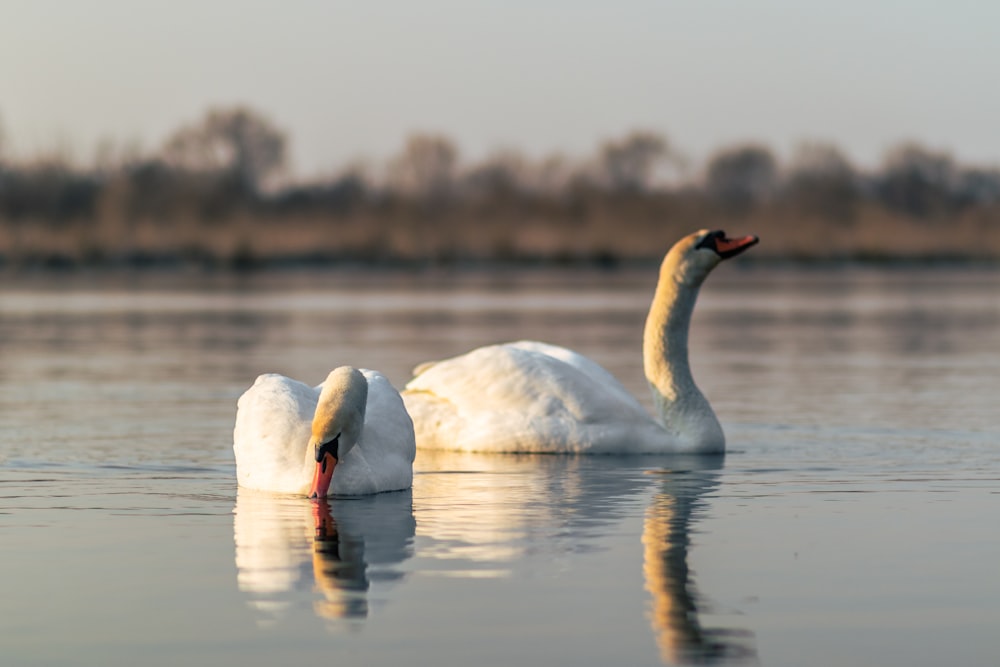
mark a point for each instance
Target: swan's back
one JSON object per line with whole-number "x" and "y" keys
{"x": 597, "y": 373}
{"x": 527, "y": 397}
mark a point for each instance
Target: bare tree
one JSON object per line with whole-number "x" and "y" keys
{"x": 111, "y": 156}
{"x": 823, "y": 182}
{"x": 236, "y": 140}
{"x": 741, "y": 177}
{"x": 503, "y": 174}
{"x": 917, "y": 181}
{"x": 425, "y": 167}
{"x": 978, "y": 186}
{"x": 552, "y": 174}
{"x": 630, "y": 164}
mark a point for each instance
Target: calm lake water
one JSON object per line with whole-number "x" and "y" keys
{"x": 853, "y": 521}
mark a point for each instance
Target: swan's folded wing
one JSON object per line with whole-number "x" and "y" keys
{"x": 271, "y": 434}
{"x": 602, "y": 377}
{"x": 519, "y": 397}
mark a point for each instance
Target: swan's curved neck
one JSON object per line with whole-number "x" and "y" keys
{"x": 665, "y": 340}
{"x": 681, "y": 405}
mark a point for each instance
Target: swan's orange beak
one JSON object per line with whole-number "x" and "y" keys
{"x": 323, "y": 476}
{"x": 727, "y": 247}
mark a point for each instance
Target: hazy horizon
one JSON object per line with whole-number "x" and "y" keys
{"x": 350, "y": 82}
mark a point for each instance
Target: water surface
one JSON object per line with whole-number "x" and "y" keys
{"x": 853, "y": 520}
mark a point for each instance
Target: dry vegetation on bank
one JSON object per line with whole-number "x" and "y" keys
{"x": 204, "y": 198}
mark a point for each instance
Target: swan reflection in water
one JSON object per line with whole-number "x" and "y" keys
{"x": 514, "y": 507}
{"x": 288, "y": 549}
{"x": 666, "y": 538}
{"x": 483, "y": 515}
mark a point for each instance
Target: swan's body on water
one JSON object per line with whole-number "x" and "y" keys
{"x": 535, "y": 397}
{"x": 350, "y": 435}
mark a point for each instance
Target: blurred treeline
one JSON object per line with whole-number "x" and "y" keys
{"x": 213, "y": 194}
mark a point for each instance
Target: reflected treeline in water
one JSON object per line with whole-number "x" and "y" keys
{"x": 139, "y": 355}
{"x": 666, "y": 537}
{"x": 293, "y": 552}
{"x": 122, "y": 367}
{"x": 860, "y": 348}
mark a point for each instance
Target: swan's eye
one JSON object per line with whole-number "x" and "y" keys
{"x": 711, "y": 239}
{"x": 331, "y": 447}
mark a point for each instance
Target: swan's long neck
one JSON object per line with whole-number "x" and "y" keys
{"x": 682, "y": 407}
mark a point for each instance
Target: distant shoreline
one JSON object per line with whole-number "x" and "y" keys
{"x": 201, "y": 203}
{"x": 179, "y": 266}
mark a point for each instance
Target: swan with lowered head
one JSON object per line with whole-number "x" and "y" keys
{"x": 534, "y": 397}
{"x": 349, "y": 436}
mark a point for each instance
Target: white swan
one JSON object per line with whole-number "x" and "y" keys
{"x": 349, "y": 436}
{"x": 534, "y": 397}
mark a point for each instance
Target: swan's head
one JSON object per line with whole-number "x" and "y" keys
{"x": 694, "y": 256}
{"x": 337, "y": 423}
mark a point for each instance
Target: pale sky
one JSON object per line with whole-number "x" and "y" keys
{"x": 351, "y": 80}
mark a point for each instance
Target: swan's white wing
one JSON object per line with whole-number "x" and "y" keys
{"x": 273, "y": 419}
{"x": 587, "y": 366}
{"x": 527, "y": 397}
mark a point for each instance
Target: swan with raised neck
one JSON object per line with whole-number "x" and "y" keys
{"x": 535, "y": 397}
{"x": 683, "y": 410}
